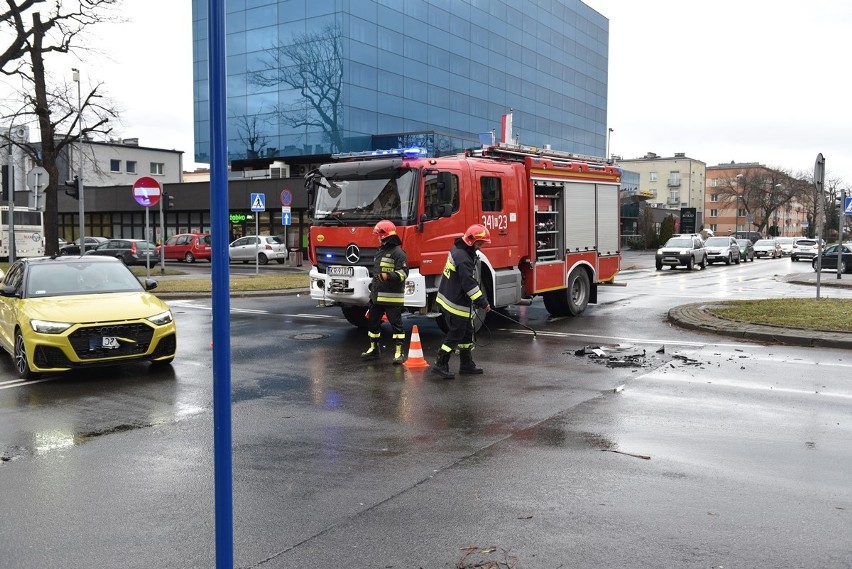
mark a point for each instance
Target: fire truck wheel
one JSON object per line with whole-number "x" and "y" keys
{"x": 572, "y": 300}
{"x": 356, "y": 315}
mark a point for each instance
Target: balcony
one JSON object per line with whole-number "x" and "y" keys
{"x": 673, "y": 182}
{"x": 673, "y": 201}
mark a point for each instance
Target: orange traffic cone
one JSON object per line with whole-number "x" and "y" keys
{"x": 415, "y": 352}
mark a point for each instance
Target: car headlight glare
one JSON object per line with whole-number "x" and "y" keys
{"x": 47, "y": 327}
{"x": 659, "y": 251}
{"x": 162, "y": 318}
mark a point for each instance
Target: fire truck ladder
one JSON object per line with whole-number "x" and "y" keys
{"x": 519, "y": 152}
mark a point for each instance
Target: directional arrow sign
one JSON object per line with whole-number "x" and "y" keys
{"x": 258, "y": 202}
{"x": 286, "y": 215}
{"x": 146, "y": 191}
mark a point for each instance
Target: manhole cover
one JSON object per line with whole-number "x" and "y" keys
{"x": 308, "y": 336}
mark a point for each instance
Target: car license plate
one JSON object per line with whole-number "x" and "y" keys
{"x": 104, "y": 342}
{"x": 340, "y": 271}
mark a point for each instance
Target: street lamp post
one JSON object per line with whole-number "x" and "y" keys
{"x": 775, "y": 205}
{"x": 76, "y": 78}
{"x": 740, "y": 197}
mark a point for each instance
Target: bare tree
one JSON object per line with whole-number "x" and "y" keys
{"x": 760, "y": 191}
{"x": 312, "y": 64}
{"x": 51, "y": 106}
{"x": 251, "y": 134}
{"x": 12, "y": 20}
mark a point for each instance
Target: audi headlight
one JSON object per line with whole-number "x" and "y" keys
{"x": 161, "y": 318}
{"x": 47, "y": 327}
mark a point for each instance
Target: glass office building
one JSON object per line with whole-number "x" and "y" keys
{"x": 308, "y": 78}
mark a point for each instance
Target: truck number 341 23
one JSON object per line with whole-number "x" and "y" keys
{"x": 495, "y": 221}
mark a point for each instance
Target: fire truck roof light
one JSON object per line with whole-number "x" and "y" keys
{"x": 412, "y": 152}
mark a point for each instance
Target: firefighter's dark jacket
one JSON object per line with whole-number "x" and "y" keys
{"x": 459, "y": 288}
{"x": 390, "y": 259}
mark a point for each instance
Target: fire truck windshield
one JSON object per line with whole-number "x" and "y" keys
{"x": 366, "y": 200}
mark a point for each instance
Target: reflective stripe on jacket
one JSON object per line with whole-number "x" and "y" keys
{"x": 459, "y": 287}
{"x": 392, "y": 260}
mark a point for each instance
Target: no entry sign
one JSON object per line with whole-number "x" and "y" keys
{"x": 146, "y": 191}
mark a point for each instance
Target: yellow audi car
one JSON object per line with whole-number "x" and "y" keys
{"x": 62, "y": 313}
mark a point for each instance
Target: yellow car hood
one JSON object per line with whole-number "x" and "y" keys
{"x": 95, "y": 307}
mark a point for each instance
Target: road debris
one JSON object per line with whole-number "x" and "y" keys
{"x": 642, "y": 456}
{"x": 474, "y": 557}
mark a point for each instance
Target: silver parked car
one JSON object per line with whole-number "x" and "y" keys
{"x": 786, "y": 245}
{"x": 724, "y": 249}
{"x": 768, "y": 248}
{"x": 266, "y": 247}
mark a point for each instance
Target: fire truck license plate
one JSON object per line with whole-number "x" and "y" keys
{"x": 340, "y": 271}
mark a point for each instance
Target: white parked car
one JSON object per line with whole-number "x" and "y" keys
{"x": 804, "y": 248}
{"x": 786, "y": 245}
{"x": 266, "y": 247}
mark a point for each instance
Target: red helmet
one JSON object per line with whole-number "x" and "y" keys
{"x": 476, "y": 232}
{"x": 384, "y": 229}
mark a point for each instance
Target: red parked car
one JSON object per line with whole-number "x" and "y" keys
{"x": 187, "y": 247}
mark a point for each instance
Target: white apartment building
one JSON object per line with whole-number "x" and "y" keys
{"x": 675, "y": 182}
{"x": 122, "y": 162}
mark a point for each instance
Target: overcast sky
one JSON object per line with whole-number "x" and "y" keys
{"x": 748, "y": 80}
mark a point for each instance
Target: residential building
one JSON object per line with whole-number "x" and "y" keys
{"x": 123, "y": 161}
{"x": 740, "y": 194}
{"x": 676, "y": 182}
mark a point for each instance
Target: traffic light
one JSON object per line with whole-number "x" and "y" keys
{"x": 72, "y": 188}
{"x": 168, "y": 201}
{"x": 4, "y": 172}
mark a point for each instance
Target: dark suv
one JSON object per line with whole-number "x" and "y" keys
{"x": 130, "y": 251}
{"x": 685, "y": 250}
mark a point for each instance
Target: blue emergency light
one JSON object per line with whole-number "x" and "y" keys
{"x": 412, "y": 152}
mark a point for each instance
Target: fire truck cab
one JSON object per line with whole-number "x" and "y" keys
{"x": 553, "y": 218}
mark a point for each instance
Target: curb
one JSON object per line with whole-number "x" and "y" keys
{"x": 695, "y": 317}
{"x": 233, "y": 294}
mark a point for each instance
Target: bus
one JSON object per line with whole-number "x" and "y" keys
{"x": 29, "y": 232}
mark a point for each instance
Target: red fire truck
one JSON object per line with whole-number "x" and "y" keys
{"x": 553, "y": 217}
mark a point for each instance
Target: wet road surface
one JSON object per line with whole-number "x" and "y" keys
{"x": 684, "y": 450}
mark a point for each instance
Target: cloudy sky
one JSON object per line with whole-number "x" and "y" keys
{"x": 747, "y": 80}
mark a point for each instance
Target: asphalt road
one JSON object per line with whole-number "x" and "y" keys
{"x": 683, "y": 450}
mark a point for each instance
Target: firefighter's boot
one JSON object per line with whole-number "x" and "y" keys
{"x": 442, "y": 365}
{"x": 373, "y": 353}
{"x": 398, "y": 355}
{"x": 467, "y": 365}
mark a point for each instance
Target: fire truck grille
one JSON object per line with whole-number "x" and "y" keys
{"x": 345, "y": 256}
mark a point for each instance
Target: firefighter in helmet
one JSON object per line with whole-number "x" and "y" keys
{"x": 390, "y": 269}
{"x": 458, "y": 292}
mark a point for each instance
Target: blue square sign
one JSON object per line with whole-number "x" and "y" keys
{"x": 258, "y": 202}
{"x": 847, "y": 206}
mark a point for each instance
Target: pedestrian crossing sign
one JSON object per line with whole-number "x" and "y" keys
{"x": 847, "y": 206}
{"x": 258, "y": 202}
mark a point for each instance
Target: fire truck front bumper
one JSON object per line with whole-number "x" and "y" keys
{"x": 351, "y": 286}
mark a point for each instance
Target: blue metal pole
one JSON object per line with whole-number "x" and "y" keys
{"x": 222, "y": 442}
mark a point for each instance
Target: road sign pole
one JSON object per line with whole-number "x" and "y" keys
{"x": 840, "y": 231}
{"x": 147, "y": 237}
{"x": 819, "y": 184}
{"x": 257, "y": 244}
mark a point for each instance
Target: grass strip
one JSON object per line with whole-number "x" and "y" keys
{"x": 829, "y": 314}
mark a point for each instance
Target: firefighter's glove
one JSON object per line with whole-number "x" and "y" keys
{"x": 382, "y": 277}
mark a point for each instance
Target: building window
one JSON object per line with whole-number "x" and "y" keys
{"x": 115, "y": 165}
{"x": 713, "y": 228}
{"x": 652, "y": 176}
{"x": 131, "y": 166}
{"x": 714, "y": 212}
{"x": 492, "y": 199}
{"x": 674, "y": 178}
{"x": 714, "y": 197}
{"x": 157, "y": 168}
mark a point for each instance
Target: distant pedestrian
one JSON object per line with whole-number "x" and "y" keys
{"x": 387, "y": 296}
{"x": 458, "y": 292}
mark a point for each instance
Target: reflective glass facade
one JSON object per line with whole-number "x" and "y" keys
{"x": 313, "y": 77}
